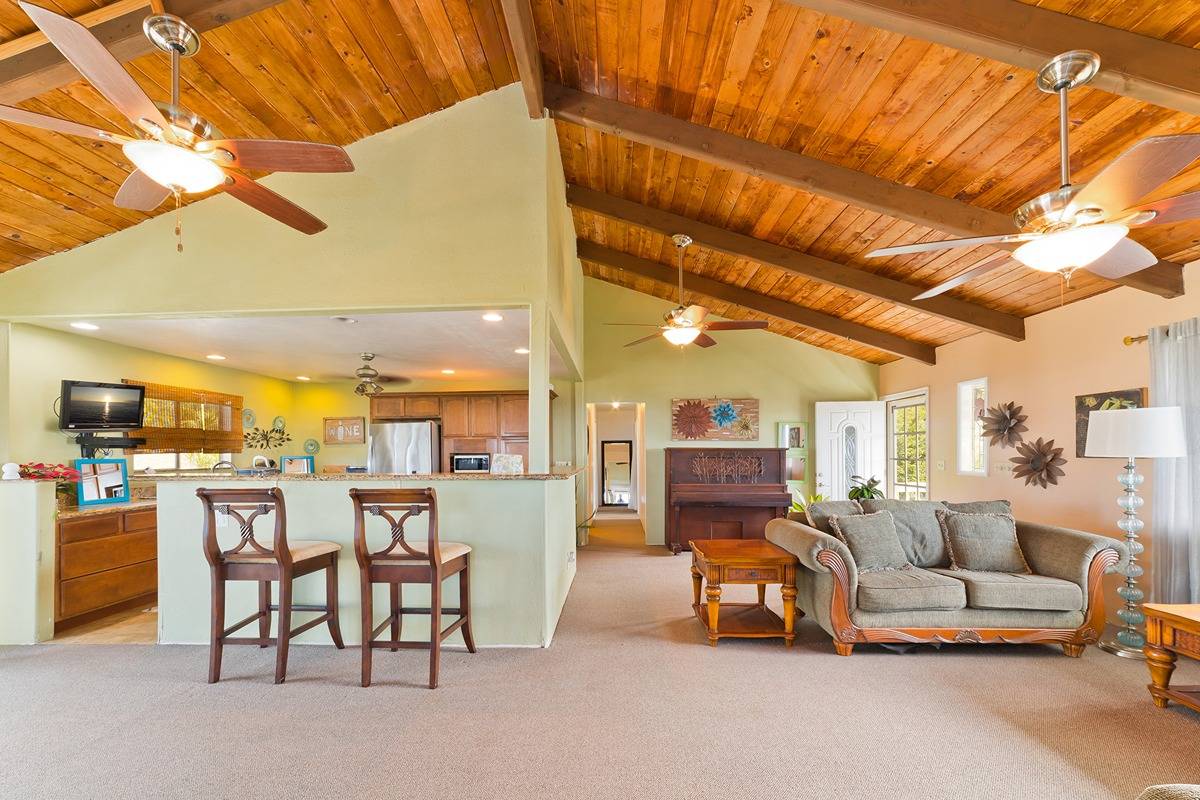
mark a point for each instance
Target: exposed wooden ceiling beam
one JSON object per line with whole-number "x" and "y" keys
{"x": 753, "y": 301}
{"x": 741, "y": 246}
{"x": 1027, "y": 36}
{"x": 807, "y": 174}
{"x": 41, "y": 68}
{"x": 518, "y": 17}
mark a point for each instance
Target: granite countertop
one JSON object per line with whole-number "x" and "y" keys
{"x": 555, "y": 474}
{"x": 87, "y": 511}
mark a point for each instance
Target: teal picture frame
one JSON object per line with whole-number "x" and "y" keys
{"x": 100, "y": 485}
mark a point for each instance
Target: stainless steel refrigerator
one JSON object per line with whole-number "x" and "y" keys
{"x": 409, "y": 448}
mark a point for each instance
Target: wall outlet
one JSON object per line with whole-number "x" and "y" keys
{"x": 941, "y": 466}
{"x": 571, "y": 557}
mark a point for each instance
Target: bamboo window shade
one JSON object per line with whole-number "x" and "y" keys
{"x": 180, "y": 420}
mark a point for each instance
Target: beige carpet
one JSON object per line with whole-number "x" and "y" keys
{"x": 628, "y": 703}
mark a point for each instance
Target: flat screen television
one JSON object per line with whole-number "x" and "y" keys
{"x": 90, "y": 406}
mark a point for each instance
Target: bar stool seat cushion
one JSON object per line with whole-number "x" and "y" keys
{"x": 449, "y": 551}
{"x": 301, "y": 550}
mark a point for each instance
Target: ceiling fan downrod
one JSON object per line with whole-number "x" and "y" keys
{"x": 1059, "y": 76}
{"x": 681, "y": 240}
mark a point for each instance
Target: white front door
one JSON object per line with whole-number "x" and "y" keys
{"x": 850, "y": 439}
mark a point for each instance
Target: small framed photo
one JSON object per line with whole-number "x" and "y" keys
{"x": 345, "y": 430}
{"x": 793, "y": 435}
{"x": 102, "y": 481}
{"x": 297, "y": 465}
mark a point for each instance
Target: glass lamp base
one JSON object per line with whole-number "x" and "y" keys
{"x": 1113, "y": 642}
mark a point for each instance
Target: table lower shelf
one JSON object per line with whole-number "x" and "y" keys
{"x": 743, "y": 621}
{"x": 1188, "y": 696}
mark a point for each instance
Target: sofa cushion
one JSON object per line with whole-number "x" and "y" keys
{"x": 917, "y": 526}
{"x": 983, "y": 542}
{"x": 911, "y": 589}
{"x": 980, "y": 507}
{"x": 1003, "y": 590}
{"x": 871, "y": 539}
{"x": 819, "y": 513}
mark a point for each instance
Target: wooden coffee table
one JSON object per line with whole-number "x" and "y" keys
{"x": 1171, "y": 630}
{"x": 722, "y": 561}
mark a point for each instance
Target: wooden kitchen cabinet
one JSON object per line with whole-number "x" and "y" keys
{"x": 425, "y": 406}
{"x": 467, "y": 444}
{"x": 514, "y": 415}
{"x": 517, "y": 447}
{"x": 105, "y": 561}
{"x": 456, "y": 418}
{"x": 485, "y": 415}
{"x": 387, "y": 406}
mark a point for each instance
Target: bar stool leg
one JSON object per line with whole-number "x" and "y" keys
{"x": 367, "y": 626}
{"x": 285, "y": 627}
{"x": 264, "y": 607}
{"x": 396, "y": 595}
{"x": 331, "y": 603}
{"x": 435, "y": 628}
{"x": 464, "y": 605}
{"x": 217, "y": 629}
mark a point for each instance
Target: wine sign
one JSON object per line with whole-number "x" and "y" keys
{"x": 345, "y": 430}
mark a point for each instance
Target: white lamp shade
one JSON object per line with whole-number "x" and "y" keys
{"x": 1136, "y": 433}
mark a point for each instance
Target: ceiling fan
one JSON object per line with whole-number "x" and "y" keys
{"x": 173, "y": 150}
{"x": 1085, "y": 226}
{"x": 688, "y": 324}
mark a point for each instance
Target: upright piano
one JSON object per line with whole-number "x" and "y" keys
{"x": 723, "y": 492}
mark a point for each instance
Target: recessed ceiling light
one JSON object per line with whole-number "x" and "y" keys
{"x": 303, "y": 378}
{"x": 522, "y": 351}
{"x": 215, "y": 357}
{"x": 616, "y": 404}
{"x": 447, "y": 372}
{"x": 493, "y": 316}
{"x": 347, "y": 320}
{"x": 84, "y": 326}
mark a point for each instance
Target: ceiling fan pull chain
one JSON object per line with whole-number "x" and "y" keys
{"x": 178, "y": 223}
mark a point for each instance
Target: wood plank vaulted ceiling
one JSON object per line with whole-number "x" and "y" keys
{"x": 791, "y": 75}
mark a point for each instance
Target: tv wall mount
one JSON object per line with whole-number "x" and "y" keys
{"x": 89, "y": 443}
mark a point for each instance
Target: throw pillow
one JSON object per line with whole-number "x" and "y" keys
{"x": 918, "y": 529}
{"x": 819, "y": 513}
{"x": 980, "y": 507}
{"x": 983, "y": 542}
{"x": 872, "y": 540}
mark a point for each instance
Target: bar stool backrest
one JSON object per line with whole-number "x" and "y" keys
{"x": 245, "y": 507}
{"x": 396, "y": 507}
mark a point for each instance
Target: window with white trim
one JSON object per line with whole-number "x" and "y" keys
{"x": 972, "y": 446}
{"x": 908, "y": 446}
{"x": 178, "y": 461}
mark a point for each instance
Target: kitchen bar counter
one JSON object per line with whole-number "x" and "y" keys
{"x": 74, "y": 512}
{"x": 555, "y": 474}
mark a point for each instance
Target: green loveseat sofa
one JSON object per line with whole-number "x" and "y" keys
{"x": 1060, "y": 602}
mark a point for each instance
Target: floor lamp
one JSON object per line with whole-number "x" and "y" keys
{"x": 1132, "y": 433}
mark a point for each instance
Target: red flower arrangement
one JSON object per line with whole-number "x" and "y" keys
{"x": 37, "y": 471}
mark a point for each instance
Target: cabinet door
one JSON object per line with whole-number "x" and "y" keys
{"x": 518, "y": 447}
{"x": 387, "y": 406}
{"x": 467, "y": 444}
{"x": 514, "y": 415}
{"x": 456, "y": 420}
{"x": 485, "y": 415}
{"x": 422, "y": 405}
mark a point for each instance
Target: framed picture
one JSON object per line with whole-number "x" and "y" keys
{"x": 297, "y": 465}
{"x": 1085, "y": 404}
{"x": 793, "y": 435}
{"x": 345, "y": 430}
{"x": 102, "y": 481}
{"x": 715, "y": 419}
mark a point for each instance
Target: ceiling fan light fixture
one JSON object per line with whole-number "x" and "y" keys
{"x": 681, "y": 336}
{"x": 1071, "y": 248}
{"x": 174, "y": 167}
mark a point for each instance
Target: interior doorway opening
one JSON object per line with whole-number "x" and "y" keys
{"x": 617, "y": 474}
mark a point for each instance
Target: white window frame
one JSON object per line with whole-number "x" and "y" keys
{"x": 968, "y": 428}
{"x": 133, "y": 462}
{"x": 911, "y": 397}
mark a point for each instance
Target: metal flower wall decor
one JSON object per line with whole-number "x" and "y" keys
{"x": 1039, "y": 463}
{"x": 266, "y": 438}
{"x": 1003, "y": 424}
{"x": 714, "y": 419}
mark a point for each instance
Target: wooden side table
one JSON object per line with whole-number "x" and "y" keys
{"x": 721, "y": 561}
{"x": 1171, "y": 630}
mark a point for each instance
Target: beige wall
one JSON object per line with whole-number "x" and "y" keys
{"x": 786, "y": 376}
{"x": 1069, "y": 351}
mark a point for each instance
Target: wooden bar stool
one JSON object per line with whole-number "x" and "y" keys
{"x": 284, "y": 561}
{"x": 404, "y": 562}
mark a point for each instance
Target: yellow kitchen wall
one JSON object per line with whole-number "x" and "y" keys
{"x": 1074, "y": 350}
{"x": 39, "y": 359}
{"x": 784, "y": 375}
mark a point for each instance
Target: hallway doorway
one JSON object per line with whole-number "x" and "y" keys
{"x": 616, "y": 476}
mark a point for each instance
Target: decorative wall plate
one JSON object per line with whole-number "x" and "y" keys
{"x": 279, "y": 424}
{"x": 312, "y": 446}
{"x": 248, "y": 418}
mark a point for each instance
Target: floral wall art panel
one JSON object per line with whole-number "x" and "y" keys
{"x": 717, "y": 419}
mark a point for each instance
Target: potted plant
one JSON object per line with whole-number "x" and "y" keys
{"x": 64, "y": 478}
{"x": 864, "y": 489}
{"x": 800, "y": 507}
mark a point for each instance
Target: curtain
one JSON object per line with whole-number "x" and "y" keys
{"x": 1175, "y": 381}
{"x": 180, "y": 420}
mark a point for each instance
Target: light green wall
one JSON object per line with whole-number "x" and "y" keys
{"x": 27, "y": 564}
{"x": 786, "y": 376}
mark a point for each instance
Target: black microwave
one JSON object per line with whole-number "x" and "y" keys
{"x": 470, "y": 462}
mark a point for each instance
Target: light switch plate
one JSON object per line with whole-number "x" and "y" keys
{"x": 941, "y": 466}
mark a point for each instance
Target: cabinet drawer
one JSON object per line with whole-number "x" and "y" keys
{"x": 89, "y": 527}
{"x": 761, "y": 574}
{"x": 144, "y": 520}
{"x": 96, "y": 555}
{"x": 80, "y": 595}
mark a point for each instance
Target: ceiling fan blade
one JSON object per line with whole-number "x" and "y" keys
{"x": 644, "y": 339}
{"x": 20, "y": 116}
{"x": 100, "y": 67}
{"x": 278, "y": 155}
{"x": 704, "y": 340}
{"x": 946, "y": 244}
{"x": 140, "y": 193}
{"x": 694, "y": 314}
{"x": 1173, "y": 209}
{"x": 259, "y": 197}
{"x": 1126, "y": 258}
{"x": 1137, "y": 172}
{"x": 961, "y": 278}
{"x": 736, "y": 325}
